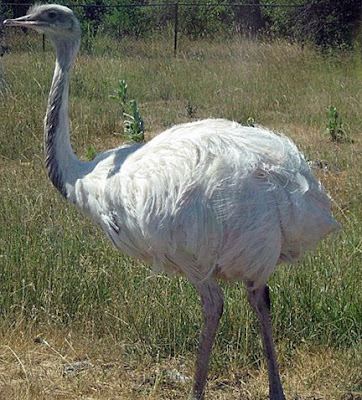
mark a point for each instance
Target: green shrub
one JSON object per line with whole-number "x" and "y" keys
{"x": 335, "y": 128}
{"x": 326, "y": 23}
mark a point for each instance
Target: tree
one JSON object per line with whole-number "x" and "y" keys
{"x": 327, "y": 23}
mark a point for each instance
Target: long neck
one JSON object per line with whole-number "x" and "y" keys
{"x": 60, "y": 160}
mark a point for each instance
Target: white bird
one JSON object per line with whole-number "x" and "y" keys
{"x": 208, "y": 200}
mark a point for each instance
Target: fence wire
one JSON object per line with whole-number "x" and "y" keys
{"x": 175, "y": 6}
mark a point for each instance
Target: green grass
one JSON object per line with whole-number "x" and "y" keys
{"x": 59, "y": 272}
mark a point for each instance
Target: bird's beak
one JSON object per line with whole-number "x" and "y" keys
{"x": 25, "y": 22}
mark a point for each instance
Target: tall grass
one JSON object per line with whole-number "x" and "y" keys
{"x": 58, "y": 270}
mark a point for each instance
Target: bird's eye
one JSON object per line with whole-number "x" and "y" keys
{"x": 52, "y": 14}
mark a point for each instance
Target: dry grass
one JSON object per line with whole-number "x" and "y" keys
{"x": 66, "y": 365}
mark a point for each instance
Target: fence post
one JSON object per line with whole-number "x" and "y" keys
{"x": 43, "y": 43}
{"x": 175, "y": 30}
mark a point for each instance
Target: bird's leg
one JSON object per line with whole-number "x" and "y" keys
{"x": 259, "y": 300}
{"x": 212, "y": 306}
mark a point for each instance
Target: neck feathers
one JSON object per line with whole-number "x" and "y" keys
{"x": 54, "y": 129}
{"x": 60, "y": 159}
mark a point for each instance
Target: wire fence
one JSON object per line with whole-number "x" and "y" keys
{"x": 178, "y": 15}
{"x": 199, "y": 4}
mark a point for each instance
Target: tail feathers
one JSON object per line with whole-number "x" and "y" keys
{"x": 308, "y": 222}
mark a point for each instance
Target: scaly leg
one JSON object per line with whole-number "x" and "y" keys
{"x": 212, "y": 307}
{"x": 260, "y": 301}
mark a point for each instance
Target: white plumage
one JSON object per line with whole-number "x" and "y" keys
{"x": 210, "y": 199}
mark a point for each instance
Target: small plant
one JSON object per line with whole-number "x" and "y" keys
{"x": 190, "y": 109}
{"x": 133, "y": 123}
{"x": 121, "y": 93}
{"x": 132, "y": 120}
{"x": 334, "y": 125}
{"x": 250, "y": 122}
{"x": 91, "y": 152}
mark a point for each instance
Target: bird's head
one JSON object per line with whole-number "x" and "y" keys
{"x": 56, "y": 21}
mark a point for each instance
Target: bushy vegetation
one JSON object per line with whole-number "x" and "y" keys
{"x": 326, "y": 23}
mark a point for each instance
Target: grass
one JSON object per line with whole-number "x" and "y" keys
{"x": 62, "y": 281}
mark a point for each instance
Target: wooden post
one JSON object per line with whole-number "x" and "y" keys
{"x": 175, "y": 30}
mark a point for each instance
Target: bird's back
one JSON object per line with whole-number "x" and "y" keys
{"x": 214, "y": 197}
